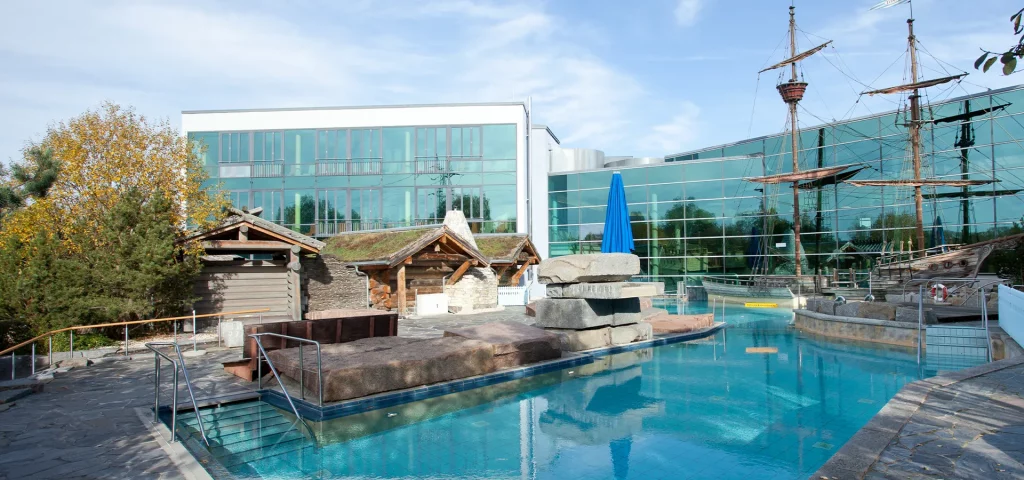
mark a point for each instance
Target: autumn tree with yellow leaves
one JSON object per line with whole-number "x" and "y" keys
{"x": 107, "y": 240}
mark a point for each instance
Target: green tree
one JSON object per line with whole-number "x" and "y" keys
{"x": 1008, "y": 58}
{"x": 29, "y": 179}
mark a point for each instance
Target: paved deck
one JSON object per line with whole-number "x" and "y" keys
{"x": 967, "y": 424}
{"x": 84, "y": 424}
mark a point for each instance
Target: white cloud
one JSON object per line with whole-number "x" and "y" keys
{"x": 686, "y": 12}
{"x": 678, "y": 134}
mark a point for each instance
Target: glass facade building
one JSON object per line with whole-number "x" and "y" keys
{"x": 322, "y": 181}
{"x": 695, "y": 214}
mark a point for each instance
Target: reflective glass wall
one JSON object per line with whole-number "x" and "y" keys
{"x": 322, "y": 182}
{"x": 695, "y": 215}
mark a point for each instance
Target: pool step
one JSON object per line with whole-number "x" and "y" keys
{"x": 246, "y": 432}
{"x": 962, "y": 341}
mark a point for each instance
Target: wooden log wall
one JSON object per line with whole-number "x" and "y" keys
{"x": 420, "y": 280}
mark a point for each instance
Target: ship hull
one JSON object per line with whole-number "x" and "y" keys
{"x": 963, "y": 262}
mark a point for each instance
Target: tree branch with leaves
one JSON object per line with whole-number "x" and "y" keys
{"x": 1010, "y": 56}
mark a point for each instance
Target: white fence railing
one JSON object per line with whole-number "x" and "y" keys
{"x": 509, "y": 296}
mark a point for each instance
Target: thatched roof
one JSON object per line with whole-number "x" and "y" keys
{"x": 505, "y": 247}
{"x": 391, "y": 247}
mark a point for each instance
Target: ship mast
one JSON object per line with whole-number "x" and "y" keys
{"x": 792, "y": 93}
{"x": 915, "y": 136}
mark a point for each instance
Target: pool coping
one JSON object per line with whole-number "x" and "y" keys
{"x": 861, "y": 452}
{"x": 183, "y": 458}
{"x": 311, "y": 411}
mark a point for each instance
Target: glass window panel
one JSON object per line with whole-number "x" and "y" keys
{"x": 431, "y": 204}
{"x": 568, "y": 233}
{"x": 299, "y": 210}
{"x": 703, "y": 209}
{"x": 299, "y": 146}
{"x": 665, "y": 173}
{"x": 500, "y": 165}
{"x": 633, "y": 176}
{"x": 365, "y": 143}
{"x": 207, "y": 147}
{"x": 636, "y": 194}
{"x": 703, "y": 171}
{"x": 272, "y": 203}
{"x": 502, "y": 178}
{"x": 592, "y": 214}
{"x": 399, "y": 206}
{"x": 465, "y": 179}
{"x": 600, "y": 179}
{"x": 500, "y": 142}
{"x": 593, "y": 197}
{"x": 699, "y": 190}
{"x": 465, "y": 166}
{"x": 665, "y": 192}
{"x": 500, "y": 203}
{"x": 332, "y": 144}
{"x": 558, "y": 183}
{"x": 563, "y": 216}
{"x": 398, "y": 144}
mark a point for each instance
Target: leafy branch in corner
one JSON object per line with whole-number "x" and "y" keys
{"x": 1009, "y": 57}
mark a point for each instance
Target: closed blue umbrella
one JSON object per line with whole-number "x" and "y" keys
{"x": 938, "y": 233}
{"x": 618, "y": 235}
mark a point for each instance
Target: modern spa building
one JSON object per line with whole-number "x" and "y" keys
{"x": 327, "y": 170}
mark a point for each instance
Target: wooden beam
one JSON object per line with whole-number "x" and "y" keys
{"x": 515, "y": 278}
{"x": 458, "y": 273}
{"x": 243, "y": 232}
{"x": 401, "y": 290}
{"x": 296, "y": 284}
{"x": 246, "y": 245}
{"x": 445, "y": 257}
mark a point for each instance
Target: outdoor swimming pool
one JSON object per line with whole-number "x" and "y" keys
{"x": 756, "y": 400}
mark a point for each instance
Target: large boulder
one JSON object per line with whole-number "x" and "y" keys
{"x": 665, "y": 324}
{"x": 627, "y": 334}
{"x": 514, "y": 343}
{"x": 877, "y": 310}
{"x": 607, "y": 290}
{"x": 373, "y": 365}
{"x": 578, "y": 340}
{"x": 909, "y": 315}
{"x": 850, "y": 309}
{"x": 594, "y": 267}
{"x": 580, "y": 313}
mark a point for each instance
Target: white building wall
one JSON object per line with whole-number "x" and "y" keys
{"x": 545, "y": 152}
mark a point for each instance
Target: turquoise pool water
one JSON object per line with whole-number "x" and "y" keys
{"x": 756, "y": 400}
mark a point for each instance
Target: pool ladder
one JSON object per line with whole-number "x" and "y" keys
{"x": 261, "y": 354}
{"x": 178, "y": 365}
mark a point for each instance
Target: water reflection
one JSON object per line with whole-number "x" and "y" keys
{"x": 695, "y": 408}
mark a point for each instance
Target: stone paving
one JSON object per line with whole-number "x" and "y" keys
{"x": 84, "y": 424}
{"x": 967, "y": 424}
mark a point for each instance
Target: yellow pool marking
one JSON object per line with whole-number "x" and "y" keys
{"x": 760, "y": 305}
{"x": 762, "y": 350}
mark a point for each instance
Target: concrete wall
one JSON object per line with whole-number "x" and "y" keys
{"x": 476, "y": 290}
{"x": 327, "y": 284}
{"x": 865, "y": 329}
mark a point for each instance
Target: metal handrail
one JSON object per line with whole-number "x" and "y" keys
{"x": 260, "y": 355}
{"x": 302, "y": 364}
{"x": 125, "y": 324}
{"x": 174, "y": 395}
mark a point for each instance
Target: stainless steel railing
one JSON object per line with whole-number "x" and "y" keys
{"x": 262, "y": 354}
{"x": 179, "y": 364}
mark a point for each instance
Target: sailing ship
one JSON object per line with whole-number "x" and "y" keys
{"x": 761, "y": 284}
{"x": 946, "y": 261}
{"x": 894, "y": 268}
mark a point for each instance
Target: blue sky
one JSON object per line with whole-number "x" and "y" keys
{"x": 647, "y": 77}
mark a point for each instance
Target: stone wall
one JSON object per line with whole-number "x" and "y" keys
{"x": 865, "y": 329}
{"x": 328, "y": 284}
{"x": 476, "y": 290}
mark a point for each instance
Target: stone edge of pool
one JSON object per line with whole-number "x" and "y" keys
{"x": 311, "y": 411}
{"x": 862, "y": 451}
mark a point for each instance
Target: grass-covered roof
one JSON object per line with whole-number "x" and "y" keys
{"x": 376, "y": 246}
{"x": 500, "y": 247}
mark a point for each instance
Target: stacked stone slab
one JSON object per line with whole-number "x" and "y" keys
{"x": 590, "y": 303}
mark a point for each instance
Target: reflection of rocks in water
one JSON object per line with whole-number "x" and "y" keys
{"x": 608, "y": 406}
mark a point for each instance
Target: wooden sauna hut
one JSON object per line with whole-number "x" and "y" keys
{"x": 251, "y": 263}
{"x": 403, "y": 262}
{"x": 510, "y": 254}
